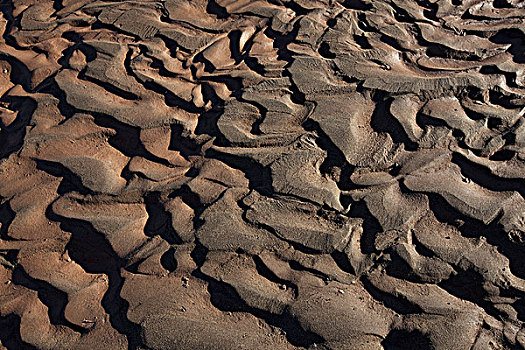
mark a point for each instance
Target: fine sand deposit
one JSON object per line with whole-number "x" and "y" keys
{"x": 280, "y": 174}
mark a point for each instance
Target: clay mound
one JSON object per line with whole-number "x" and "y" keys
{"x": 284, "y": 174}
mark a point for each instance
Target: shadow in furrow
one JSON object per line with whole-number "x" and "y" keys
{"x": 93, "y": 253}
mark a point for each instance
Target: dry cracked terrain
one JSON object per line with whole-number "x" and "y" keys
{"x": 281, "y": 174}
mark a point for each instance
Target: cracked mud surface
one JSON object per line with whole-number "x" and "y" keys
{"x": 281, "y": 174}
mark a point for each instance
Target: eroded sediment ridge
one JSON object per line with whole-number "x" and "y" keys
{"x": 277, "y": 174}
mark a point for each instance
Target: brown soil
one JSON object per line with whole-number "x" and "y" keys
{"x": 280, "y": 174}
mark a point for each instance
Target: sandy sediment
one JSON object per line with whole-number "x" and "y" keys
{"x": 288, "y": 174}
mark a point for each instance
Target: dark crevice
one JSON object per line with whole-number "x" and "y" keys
{"x": 297, "y": 246}
{"x": 399, "y": 304}
{"x": 207, "y": 125}
{"x": 94, "y": 254}
{"x": 112, "y": 89}
{"x": 519, "y": 306}
{"x": 159, "y": 220}
{"x": 55, "y": 299}
{"x": 233, "y": 84}
{"x": 10, "y": 334}
{"x": 10, "y": 256}
{"x": 362, "y": 41}
{"x": 334, "y": 156}
{"x": 188, "y": 197}
{"x": 281, "y": 41}
{"x": 468, "y": 285}
{"x": 494, "y": 123}
{"x": 512, "y": 251}
{"x": 356, "y": 5}
{"x": 127, "y": 139}
{"x": 292, "y": 5}
{"x": 225, "y": 298}
{"x": 255, "y": 129}
{"x": 473, "y": 114}
{"x": 324, "y": 51}
{"x": 159, "y": 66}
{"x": 298, "y": 97}
{"x": 332, "y": 22}
{"x": 441, "y": 51}
{"x": 503, "y": 155}
{"x": 342, "y": 261}
{"x": 217, "y": 10}
{"x": 168, "y": 261}
{"x": 401, "y": 15}
{"x": 371, "y": 226}
{"x": 265, "y": 272}
{"x": 193, "y": 201}
{"x": 516, "y": 38}
{"x": 364, "y": 25}
{"x": 12, "y": 136}
{"x": 209, "y": 67}
{"x": 501, "y": 99}
{"x": 134, "y": 267}
{"x": 6, "y": 7}
{"x": 74, "y": 37}
{"x": 421, "y": 249}
{"x": 259, "y": 177}
{"x": 170, "y": 99}
{"x": 446, "y": 213}
{"x": 198, "y": 254}
{"x": 294, "y": 265}
{"x": 181, "y": 142}
{"x": 468, "y": 15}
{"x": 235, "y": 49}
{"x": 473, "y": 228}
{"x": 510, "y": 77}
{"x": 383, "y": 121}
{"x": 210, "y": 96}
{"x": 500, "y": 4}
{"x": 172, "y": 46}
{"x": 70, "y": 182}
{"x": 483, "y": 177}
{"x": 7, "y": 216}
{"x": 19, "y": 74}
{"x": 66, "y": 110}
{"x": 431, "y": 9}
{"x": 57, "y": 5}
{"x": 253, "y": 64}
{"x": 398, "y": 267}
{"x": 398, "y": 339}
{"x": 392, "y": 42}
{"x": 345, "y": 200}
{"x": 423, "y": 120}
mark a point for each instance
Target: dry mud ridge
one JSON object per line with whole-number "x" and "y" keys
{"x": 281, "y": 174}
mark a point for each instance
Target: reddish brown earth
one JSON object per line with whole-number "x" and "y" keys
{"x": 281, "y": 174}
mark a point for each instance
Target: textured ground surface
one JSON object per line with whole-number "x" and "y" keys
{"x": 280, "y": 174}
